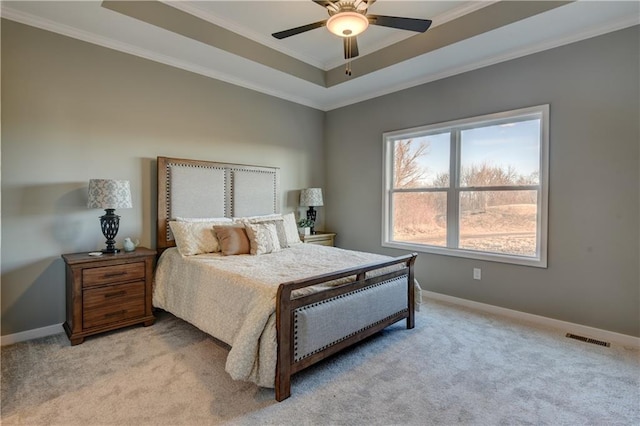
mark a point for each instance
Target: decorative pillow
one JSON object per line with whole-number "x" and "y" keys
{"x": 291, "y": 229}
{"x": 263, "y": 237}
{"x": 260, "y": 218}
{"x": 195, "y": 237}
{"x": 233, "y": 240}
{"x": 203, "y": 219}
{"x": 276, "y": 219}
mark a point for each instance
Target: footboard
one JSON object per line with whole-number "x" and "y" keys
{"x": 315, "y": 326}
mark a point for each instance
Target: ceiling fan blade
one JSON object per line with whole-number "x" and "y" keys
{"x": 411, "y": 24}
{"x": 350, "y": 47}
{"x": 298, "y": 30}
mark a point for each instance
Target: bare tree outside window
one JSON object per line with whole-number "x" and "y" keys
{"x": 407, "y": 173}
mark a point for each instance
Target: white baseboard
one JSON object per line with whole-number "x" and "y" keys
{"x": 31, "y": 334}
{"x": 564, "y": 326}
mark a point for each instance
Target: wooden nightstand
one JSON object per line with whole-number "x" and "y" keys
{"x": 320, "y": 238}
{"x": 107, "y": 292}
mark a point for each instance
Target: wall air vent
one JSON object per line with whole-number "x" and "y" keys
{"x": 588, "y": 340}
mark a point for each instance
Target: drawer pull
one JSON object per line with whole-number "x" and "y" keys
{"x": 115, "y": 274}
{"x": 115, "y": 314}
{"x": 115, "y": 294}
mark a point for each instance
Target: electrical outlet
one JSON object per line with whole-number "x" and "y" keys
{"x": 477, "y": 273}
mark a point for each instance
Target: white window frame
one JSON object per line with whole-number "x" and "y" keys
{"x": 389, "y": 138}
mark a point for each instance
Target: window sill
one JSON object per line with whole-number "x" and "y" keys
{"x": 540, "y": 262}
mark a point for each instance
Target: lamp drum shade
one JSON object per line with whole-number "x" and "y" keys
{"x": 109, "y": 194}
{"x": 311, "y": 197}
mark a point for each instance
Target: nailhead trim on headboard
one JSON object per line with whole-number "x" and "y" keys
{"x": 170, "y": 166}
{"x": 166, "y": 196}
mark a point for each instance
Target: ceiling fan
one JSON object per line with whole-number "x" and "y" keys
{"x": 348, "y": 18}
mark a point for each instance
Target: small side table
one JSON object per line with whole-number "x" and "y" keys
{"x": 320, "y": 238}
{"x": 107, "y": 292}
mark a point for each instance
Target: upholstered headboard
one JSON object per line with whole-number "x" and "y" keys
{"x": 195, "y": 188}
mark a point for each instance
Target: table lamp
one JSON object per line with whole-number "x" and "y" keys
{"x": 311, "y": 197}
{"x": 109, "y": 194}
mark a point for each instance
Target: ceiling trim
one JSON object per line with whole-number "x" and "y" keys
{"x": 441, "y": 19}
{"x": 65, "y": 30}
{"x": 321, "y": 102}
{"x": 497, "y": 15}
{"x": 174, "y": 20}
{"x": 238, "y": 29}
{"x": 623, "y": 23}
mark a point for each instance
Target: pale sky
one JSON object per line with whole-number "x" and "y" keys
{"x": 515, "y": 144}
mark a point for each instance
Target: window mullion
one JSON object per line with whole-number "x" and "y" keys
{"x": 453, "y": 228}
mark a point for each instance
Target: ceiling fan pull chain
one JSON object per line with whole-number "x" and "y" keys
{"x": 348, "y": 66}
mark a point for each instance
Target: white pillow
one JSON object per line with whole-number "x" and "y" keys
{"x": 291, "y": 229}
{"x": 260, "y": 218}
{"x": 196, "y": 237}
{"x": 203, "y": 219}
{"x": 263, "y": 237}
{"x": 276, "y": 219}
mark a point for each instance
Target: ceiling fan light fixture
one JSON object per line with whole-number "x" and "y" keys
{"x": 347, "y": 24}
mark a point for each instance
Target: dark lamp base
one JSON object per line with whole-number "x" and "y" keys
{"x": 110, "y": 222}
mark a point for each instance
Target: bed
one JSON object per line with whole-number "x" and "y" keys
{"x": 286, "y": 306}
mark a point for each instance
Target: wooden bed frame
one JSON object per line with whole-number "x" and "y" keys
{"x": 242, "y": 193}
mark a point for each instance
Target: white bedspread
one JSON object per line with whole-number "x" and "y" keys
{"x": 233, "y": 298}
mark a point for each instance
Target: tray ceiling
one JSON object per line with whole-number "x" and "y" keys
{"x": 231, "y": 40}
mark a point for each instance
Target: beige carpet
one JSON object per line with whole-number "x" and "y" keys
{"x": 457, "y": 367}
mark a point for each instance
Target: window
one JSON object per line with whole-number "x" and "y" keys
{"x": 474, "y": 188}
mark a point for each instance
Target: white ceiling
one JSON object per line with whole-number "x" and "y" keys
{"x": 256, "y": 20}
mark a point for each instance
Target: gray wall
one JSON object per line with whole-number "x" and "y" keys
{"x": 593, "y": 91}
{"x": 72, "y": 111}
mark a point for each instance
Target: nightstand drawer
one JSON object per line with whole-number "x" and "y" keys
{"x": 112, "y": 304}
{"x": 112, "y": 274}
{"x": 322, "y": 243}
{"x": 319, "y": 238}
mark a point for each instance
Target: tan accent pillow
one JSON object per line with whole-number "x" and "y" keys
{"x": 263, "y": 237}
{"x": 195, "y": 237}
{"x": 233, "y": 240}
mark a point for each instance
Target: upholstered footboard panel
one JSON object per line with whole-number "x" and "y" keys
{"x": 325, "y": 323}
{"x": 319, "y": 324}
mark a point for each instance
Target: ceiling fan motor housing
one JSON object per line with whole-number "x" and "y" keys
{"x": 347, "y": 23}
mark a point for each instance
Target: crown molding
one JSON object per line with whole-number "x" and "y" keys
{"x": 626, "y": 22}
{"x": 243, "y": 31}
{"x": 31, "y": 20}
{"x": 198, "y": 12}
{"x": 55, "y": 27}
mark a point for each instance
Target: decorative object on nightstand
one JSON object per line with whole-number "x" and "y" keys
{"x": 311, "y": 197}
{"x": 107, "y": 292}
{"x": 319, "y": 238}
{"x": 305, "y": 226}
{"x": 109, "y": 194}
{"x": 129, "y": 245}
